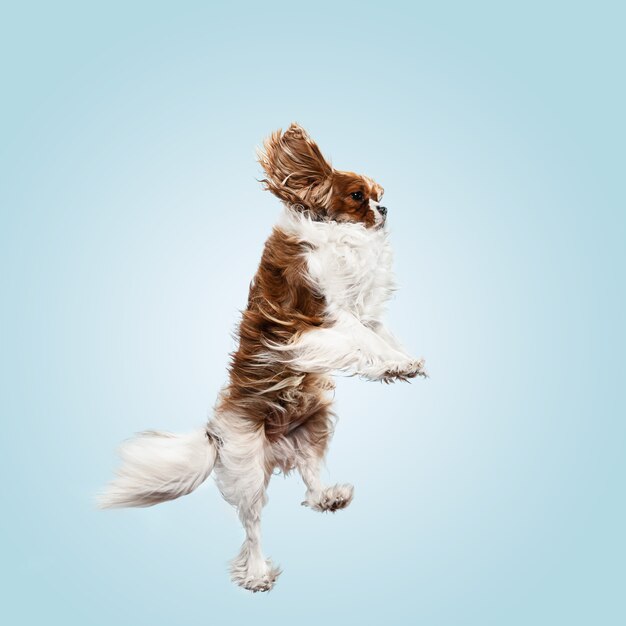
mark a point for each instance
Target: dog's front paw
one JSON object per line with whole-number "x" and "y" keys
{"x": 404, "y": 371}
{"x": 330, "y": 499}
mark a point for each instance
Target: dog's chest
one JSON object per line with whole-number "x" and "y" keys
{"x": 352, "y": 269}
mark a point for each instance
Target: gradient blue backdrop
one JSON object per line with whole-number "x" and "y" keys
{"x": 131, "y": 224}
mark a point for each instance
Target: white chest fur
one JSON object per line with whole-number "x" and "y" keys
{"x": 348, "y": 263}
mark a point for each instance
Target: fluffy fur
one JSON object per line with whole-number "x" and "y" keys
{"x": 315, "y": 307}
{"x": 159, "y": 466}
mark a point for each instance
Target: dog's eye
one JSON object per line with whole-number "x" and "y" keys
{"x": 357, "y": 195}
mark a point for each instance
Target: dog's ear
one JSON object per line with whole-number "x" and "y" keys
{"x": 296, "y": 170}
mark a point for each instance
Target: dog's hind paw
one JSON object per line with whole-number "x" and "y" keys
{"x": 330, "y": 499}
{"x": 254, "y": 574}
{"x": 254, "y": 581}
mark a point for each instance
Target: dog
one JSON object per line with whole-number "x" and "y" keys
{"x": 315, "y": 307}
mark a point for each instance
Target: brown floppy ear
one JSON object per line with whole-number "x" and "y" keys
{"x": 296, "y": 170}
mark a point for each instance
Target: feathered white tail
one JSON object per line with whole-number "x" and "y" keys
{"x": 159, "y": 466}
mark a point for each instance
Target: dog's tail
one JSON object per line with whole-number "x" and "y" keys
{"x": 159, "y": 466}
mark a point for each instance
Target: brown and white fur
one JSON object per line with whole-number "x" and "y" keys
{"x": 315, "y": 307}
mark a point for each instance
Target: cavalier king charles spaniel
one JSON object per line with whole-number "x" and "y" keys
{"x": 315, "y": 307}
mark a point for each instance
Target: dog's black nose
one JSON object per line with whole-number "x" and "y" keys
{"x": 383, "y": 210}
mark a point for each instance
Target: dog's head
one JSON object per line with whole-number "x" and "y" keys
{"x": 300, "y": 176}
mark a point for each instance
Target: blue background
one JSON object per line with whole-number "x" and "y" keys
{"x": 132, "y": 222}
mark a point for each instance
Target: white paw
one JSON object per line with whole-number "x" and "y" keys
{"x": 404, "y": 370}
{"x": 259, "y": 579}
{"x": 254, "y": 575}
{"x": 330, "y": 499}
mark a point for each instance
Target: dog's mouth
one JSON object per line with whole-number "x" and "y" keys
{"x": 380, "y": 215}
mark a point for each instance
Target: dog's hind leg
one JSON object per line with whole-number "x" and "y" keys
{"x": 242, "y": 477}
{"x": 311, "y": 441}
{"x": 318, "y": 496}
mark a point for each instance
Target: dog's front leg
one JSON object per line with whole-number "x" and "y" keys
{"x": 386, "y": 335}
{"x": 351, "y": 347}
